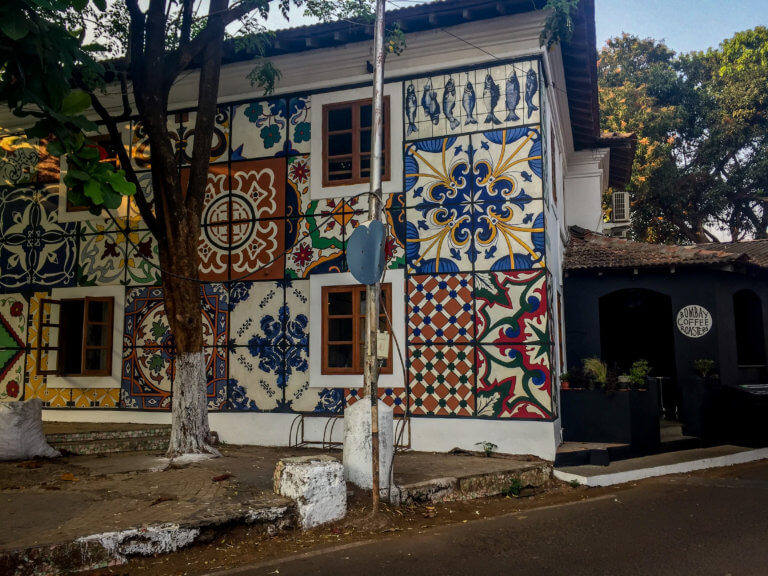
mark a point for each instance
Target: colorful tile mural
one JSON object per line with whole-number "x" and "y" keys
{"x": 102, "y": 259}
{"x": 149, "y": 352}
{"x": 440, "y": 309}
{"x": 36, "y": 250}
{"x": 13, "y": 342}
{"x": 396, "y": 398}
{"x": 269, "y": 350}
{"x": 442, "y": 380}
{"x": 276, "y": 127}
{"x": 513, "y": 381}
{"x": 467, "y": 227}
{"x": 19, "y": 164}
{"x": 512, "y": 307}
{"x": 318, "y": 239}
{"x": 489, "y": 217}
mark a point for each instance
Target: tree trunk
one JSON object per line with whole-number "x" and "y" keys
{"x": 189, "y": 424}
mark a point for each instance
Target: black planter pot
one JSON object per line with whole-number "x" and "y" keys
{"x": 622, "y": 417}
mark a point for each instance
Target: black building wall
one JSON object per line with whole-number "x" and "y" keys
{"x": 711, "y": 288}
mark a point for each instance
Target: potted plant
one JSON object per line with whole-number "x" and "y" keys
{"x": 638, "y": 374}
{"x": 705, "y": 368}
{"x": 609, "y": 410}
{"x": 624, "y": 381}
{"x": 565, "y": 381}
{"x": 597, "y": 371}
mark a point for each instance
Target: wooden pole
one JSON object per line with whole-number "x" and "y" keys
{"x": 373, "y": 293}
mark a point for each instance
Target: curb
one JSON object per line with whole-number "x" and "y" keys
{"x": 113, "y": 548}
{"x": 469, "y": 487}
{"x": 677, "y": 468}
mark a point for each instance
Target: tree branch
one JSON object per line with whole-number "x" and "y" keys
{"x": 196, "y": 46}
{"x": 125, "y": 163}
{"x": 186, "y": 23}
{"x": 208, "y": 92}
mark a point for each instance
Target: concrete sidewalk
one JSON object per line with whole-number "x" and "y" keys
{"x": 88, "y": 511}
{"x": 678, "y": 462}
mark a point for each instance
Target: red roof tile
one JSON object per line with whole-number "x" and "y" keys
{"x": 591, "y": 251}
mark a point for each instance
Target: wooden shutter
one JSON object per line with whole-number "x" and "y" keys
{"x": 48, "y": 357}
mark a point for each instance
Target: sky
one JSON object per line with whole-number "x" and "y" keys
{"x": 685, "y": 25}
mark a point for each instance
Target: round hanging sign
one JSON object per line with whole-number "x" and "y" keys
{"x": 694, "y": 321}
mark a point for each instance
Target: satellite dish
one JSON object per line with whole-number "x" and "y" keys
{"x": 365, "y": 252}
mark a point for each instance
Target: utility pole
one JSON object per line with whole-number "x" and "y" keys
{"x": 373, "y": 292}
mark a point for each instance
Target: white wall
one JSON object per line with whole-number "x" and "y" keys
{"x": 585, "y": 181}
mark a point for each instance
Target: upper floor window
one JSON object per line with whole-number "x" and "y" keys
{"x": 347, "y": 142}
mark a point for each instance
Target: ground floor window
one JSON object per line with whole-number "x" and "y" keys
{"x": 76, "y": 337}
{"x": 344, "y": 328}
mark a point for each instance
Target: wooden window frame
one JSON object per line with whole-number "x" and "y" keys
{"x": 356, "y": 178}
{"x": 46, "y": 348}
{"x": 357, "y": 338}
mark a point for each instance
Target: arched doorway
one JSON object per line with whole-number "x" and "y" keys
{"x": 750, "y": 337}
{"x": 635, "y": 324}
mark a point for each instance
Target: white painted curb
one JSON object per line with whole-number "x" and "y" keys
{"x": 677, "y": 468}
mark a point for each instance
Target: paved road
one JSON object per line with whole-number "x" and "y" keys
{"x": 698, "y": 525}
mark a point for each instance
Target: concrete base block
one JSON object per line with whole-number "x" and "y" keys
{"x": 317, "y": 485}
{"x": 357, "y": 444}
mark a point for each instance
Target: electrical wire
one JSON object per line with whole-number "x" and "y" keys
{"x": 406, "y": 417}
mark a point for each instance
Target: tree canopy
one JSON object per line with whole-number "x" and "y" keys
{"x": 48, "y": 74}
{"x": 701, "y": 169}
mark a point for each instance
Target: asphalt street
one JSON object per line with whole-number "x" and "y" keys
{"x": 705, "y": 523}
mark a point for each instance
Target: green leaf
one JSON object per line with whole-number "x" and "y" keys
{"x": 112, "y": 199}
{"x": 89, "y": 152}
{"x": 56, "y": 148}
{"x": 76, "y": 196}
{"x": 84, "y": 124}
{"x": 93, "y": 191}
{"x": 75, "y": 102}
{"x": 120, "y": 184}
{"x": 14, "y": 25}
{"x": 78, "y": 174}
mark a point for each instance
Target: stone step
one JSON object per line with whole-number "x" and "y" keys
{"x": 594, "y": 453}
{"x": 471, "y": 486}
{"x": 149, "y": 439}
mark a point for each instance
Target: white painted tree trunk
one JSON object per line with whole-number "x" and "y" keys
{"x": 189, "y": 428}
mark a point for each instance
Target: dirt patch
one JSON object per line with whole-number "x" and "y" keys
{"x": 235, "y": 546}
